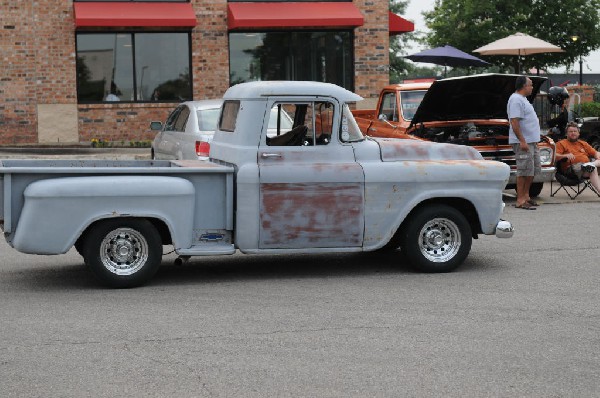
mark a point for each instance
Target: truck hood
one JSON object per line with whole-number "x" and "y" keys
{"x": 393, "y": 150}
{"x": 470, "y": 97}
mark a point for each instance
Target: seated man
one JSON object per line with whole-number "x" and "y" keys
{"x": 578, "y": 154}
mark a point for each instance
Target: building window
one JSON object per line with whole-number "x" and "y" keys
{"x": 146, "y": 1}
{"x": 317, "y": 56}
{"x": 275, "y": 1}
{"x": 133, "y": 67}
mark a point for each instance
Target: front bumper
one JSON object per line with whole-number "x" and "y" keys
{"x": 546, "y": 175}
{"x": 504, "y": 229}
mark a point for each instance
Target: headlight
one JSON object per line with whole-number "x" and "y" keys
{"x": 546, "y": 156}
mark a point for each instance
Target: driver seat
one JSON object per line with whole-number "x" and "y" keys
{"x": 294, "y": 137}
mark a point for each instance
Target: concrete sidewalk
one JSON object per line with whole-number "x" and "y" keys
{"x": 560, "y": 197}
{"x": 74, "y": 153}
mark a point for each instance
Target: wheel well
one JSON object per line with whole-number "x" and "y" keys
{"x": 460, "y": 204}
{"x": 160, "y": 226}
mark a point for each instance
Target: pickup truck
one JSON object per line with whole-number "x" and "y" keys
{"x": 319, "y": 187}
{"x": 468, "y": 110}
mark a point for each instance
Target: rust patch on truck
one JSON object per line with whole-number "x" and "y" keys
{"x": 398, "y": 150}
{"x": 311, "y": 215}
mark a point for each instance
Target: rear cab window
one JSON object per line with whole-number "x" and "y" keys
{"x": 229, "y": 114}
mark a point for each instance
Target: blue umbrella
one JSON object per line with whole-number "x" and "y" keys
{"x": 447, "y": 56}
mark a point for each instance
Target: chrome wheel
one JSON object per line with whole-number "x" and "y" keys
{"x": 124, "y": 251}
{"x": 439, "y": 240}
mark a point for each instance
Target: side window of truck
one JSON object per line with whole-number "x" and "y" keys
{"x": 388, "y": 107}
{"x": 300, "y": 124}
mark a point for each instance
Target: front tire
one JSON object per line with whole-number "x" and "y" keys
{"x": 123, "y": 252}
{"x": 436, "y": 238}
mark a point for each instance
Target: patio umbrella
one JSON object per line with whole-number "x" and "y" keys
{"x": 447, "y": 56}
{"x": 518, "y": 44}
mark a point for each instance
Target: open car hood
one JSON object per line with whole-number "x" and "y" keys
{"x": 470, "y": 97}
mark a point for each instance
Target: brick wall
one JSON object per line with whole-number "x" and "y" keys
{"x": 37, "y": 52}
{"x": 18, "y": 78}
{"x": 371, "y": 49}
{"x": 120, "y": 122}
{"x": 210, "y": 49}
{"x": 585, "y": 92}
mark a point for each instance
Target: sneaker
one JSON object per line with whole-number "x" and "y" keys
{"x": 588, "y": 167}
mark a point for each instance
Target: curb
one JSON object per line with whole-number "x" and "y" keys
{"x": 70, "y": 150}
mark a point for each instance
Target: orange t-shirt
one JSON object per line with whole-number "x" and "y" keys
{"x": 581, "y": 149}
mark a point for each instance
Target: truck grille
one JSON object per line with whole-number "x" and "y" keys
{"x": 501, "y": 155}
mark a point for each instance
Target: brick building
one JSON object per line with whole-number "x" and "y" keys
{"x": 77, "y": 70}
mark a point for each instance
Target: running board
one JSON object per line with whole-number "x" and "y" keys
{"x": 211, "y": 249}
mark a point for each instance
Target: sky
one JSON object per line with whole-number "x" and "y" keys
{"x": 591, "y": 63}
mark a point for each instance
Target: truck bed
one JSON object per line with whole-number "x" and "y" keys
{"x": 17, "y": 174}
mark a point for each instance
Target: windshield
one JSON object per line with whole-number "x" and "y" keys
{"x": 208, "y": 118}
{"x": 349, "y": 131}
{"x": 410, "y": 101}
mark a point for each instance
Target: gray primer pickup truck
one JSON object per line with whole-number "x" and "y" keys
{"x": 317, "y": 187}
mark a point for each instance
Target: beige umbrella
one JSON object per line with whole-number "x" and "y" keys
{"x": 518, "y": 44}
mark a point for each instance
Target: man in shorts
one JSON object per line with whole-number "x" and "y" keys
{"x": 524, "y": 134}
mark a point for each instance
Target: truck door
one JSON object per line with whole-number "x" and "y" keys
{"x": 311, "y": 188}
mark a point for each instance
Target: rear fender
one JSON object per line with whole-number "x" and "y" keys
{"x": 57, "y": 211}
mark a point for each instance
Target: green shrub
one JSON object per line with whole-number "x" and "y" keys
{"x": 590, "y": 109}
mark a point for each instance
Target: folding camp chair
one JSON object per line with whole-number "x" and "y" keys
{"x": 570, "y": 182}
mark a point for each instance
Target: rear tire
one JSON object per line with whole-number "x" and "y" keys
{"x": 535, "y": 189}
{"x": 436, "y": 238}
{"x": 123, "y": 252}
{"x": 594, "y": 142}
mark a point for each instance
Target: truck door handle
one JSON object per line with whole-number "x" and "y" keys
{"x": 270, "y": 155}
{"x": 372, "y": 129}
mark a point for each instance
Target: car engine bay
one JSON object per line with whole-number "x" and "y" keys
{"x": 466, "y": 134}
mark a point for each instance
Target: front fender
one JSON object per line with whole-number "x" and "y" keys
{"x": 394, "y": 189}
{"x": 56, "y": 211}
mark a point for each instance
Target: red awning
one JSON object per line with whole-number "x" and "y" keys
{"x": 134, "y": 14}
{"x": 292, "y": 14}
{"x": 400, "y": 25}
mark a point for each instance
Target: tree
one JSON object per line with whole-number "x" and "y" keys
{"x": 470, "y": 24}
{"x": 400, "y": 67}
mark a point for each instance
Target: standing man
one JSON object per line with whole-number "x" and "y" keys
{"x": 524, "y": 134}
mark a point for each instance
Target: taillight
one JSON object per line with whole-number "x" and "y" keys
{"x": 202, "y": 148}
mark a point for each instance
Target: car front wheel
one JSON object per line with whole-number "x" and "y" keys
{"x": 436, "y": 238}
